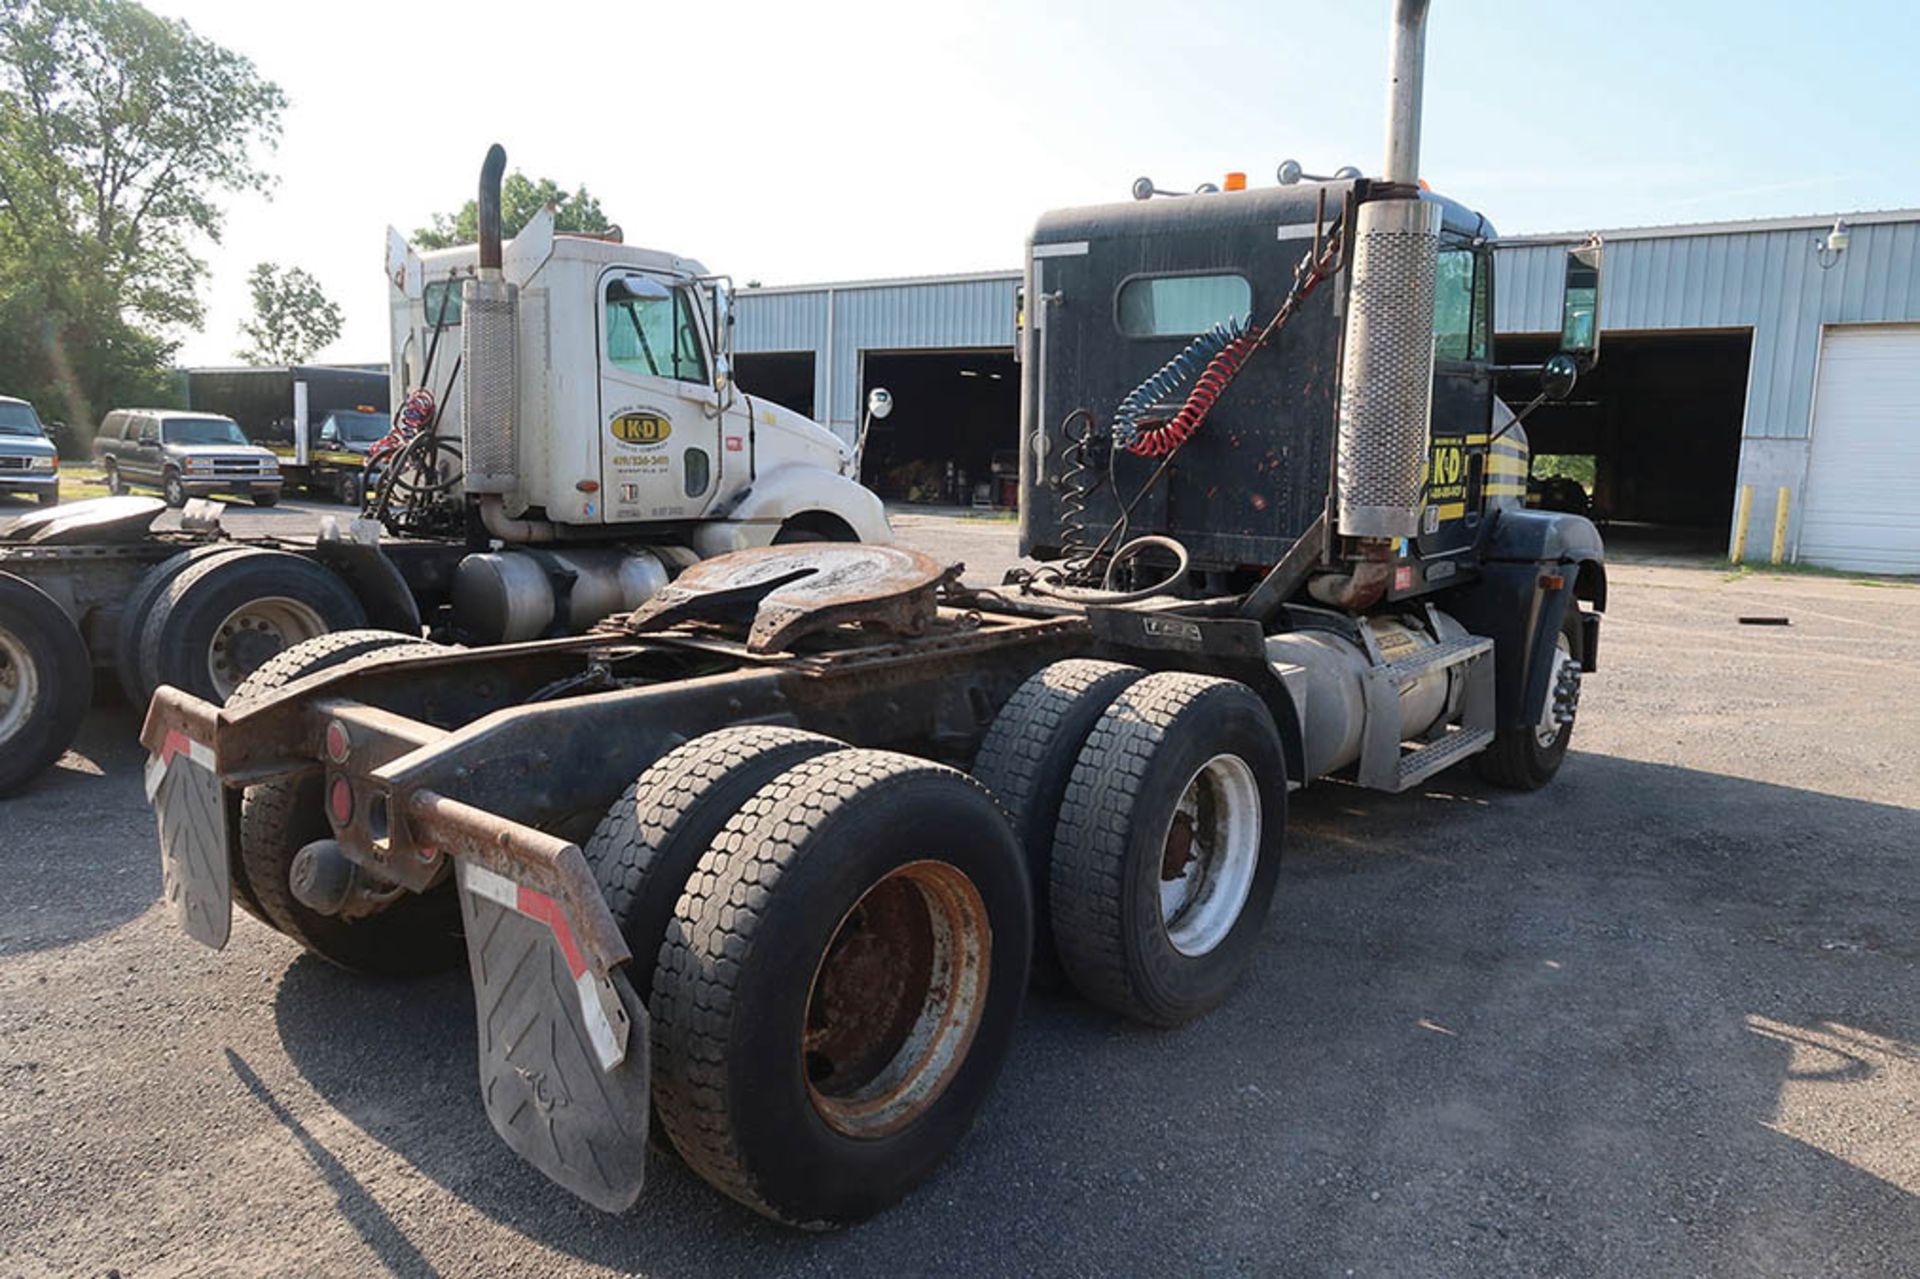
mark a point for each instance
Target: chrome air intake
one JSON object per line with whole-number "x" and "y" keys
{"x": 1386, "y": 370}
{"x": 489, "y": 353}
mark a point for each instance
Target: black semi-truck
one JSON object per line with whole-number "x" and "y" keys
{"x": 319, "y": 418}
{"x": 768, "y": 859}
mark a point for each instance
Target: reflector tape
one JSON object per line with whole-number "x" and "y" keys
{"x": 176, "y": 743}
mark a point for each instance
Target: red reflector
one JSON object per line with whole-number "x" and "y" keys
{"x": 1551, "y": 581}
{"x": 337, "y": 742}
{"x": 1403, "y": 578}
{"x": 587, "y": 486}
{"x": 340, "y": 801}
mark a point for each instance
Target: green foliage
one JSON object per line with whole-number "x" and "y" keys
{"x": 1578, "y": 467}
{"x": 520, "y": 199}
{"x": 119, "y": 131}
{"x": 292, "y": 316}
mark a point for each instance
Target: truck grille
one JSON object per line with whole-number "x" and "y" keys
{"x": 14, "y": 463}
{"x": 235, "y": 467}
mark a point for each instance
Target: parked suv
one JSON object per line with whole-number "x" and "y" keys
{"x": 184, "y": 454}
{"x": 29, "y": 463}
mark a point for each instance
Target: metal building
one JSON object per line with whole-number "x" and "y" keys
{"x": 1757, "y": 389}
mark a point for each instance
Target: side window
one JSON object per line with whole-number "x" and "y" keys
{"x": 111, "y": 428}
{"x": 1460, "y": 306}
{"x": 1180, "y": 305}
{"x": 656, "y": 336}
{"x": 149, "y": 430}
{"x": 442, "y": 296}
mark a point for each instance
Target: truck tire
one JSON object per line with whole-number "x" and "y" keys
{"x": 1527, "y": 757}
{"x": 139, "y": 606}
{"x": 116, "y": 485}
{"x": 221, "y": 619}
{"x": 275, "y": 674}
{"x": 1026, "y": 759}
{"x": 656, "y": 832}
{"x": 420, "y": 932}
{"x": 264, "y": 500}
{"x": 46, "y": 681}
{"x": 840, "y": 985}
{"x": 172, "y": 489}
{"x": 1168, "y": 847}
{"x": 351, "y": 490}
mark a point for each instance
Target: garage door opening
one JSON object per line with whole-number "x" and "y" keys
{"x": 1652, "y": 434}
{"x": 953, "y": 436}
{"x": 785, "y": 377}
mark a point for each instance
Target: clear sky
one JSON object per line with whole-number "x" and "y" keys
{"x": 801, "y": 141}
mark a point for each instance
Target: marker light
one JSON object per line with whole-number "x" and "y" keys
{"x": 1236, "y": 182}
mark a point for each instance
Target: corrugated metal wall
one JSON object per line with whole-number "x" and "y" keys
{"x": 838, "y": 322}
{"x": 1768, "y": 281}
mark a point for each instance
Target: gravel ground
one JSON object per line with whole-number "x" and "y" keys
{"x": 1661, "y": 1018}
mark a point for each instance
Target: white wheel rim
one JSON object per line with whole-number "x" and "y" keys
{"x": 1547, "y": 731}
{"x": 19, "y": 685}
{"x": 255, "y": 632}
{"x": 1210, "y": 852}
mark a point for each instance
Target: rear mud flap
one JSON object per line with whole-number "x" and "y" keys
{"x": 191, "y": 807}
{"x": 564, "y": 1065}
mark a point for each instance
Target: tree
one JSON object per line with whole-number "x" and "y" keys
{"x": 520, "y": 199}
{"x": 119, "y": 132}
{"x": 292, "y": 316}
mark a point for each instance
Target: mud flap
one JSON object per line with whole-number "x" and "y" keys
{"x": 194, "y": 864}
{"x": 564, "y": 1066}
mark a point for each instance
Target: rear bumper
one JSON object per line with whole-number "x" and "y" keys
{"x": 557, "y": 1014}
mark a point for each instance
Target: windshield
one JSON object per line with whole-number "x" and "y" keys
{"x": 202, "y": 430}
{"x": 359, "y": 428}
{"x": 19, "y": 419}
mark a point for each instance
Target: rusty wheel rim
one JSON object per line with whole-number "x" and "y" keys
{"x": 896, "y": 999}
{"x": 19, "y": 685}
{"x": 1209, "y": 855}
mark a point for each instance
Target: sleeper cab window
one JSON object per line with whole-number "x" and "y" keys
{"x": 1152, "y": 306}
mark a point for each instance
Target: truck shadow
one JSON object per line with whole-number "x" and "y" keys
{"x": 1647, "y": 1021}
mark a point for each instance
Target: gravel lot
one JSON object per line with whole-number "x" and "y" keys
{"x": 1661, "y": 1018}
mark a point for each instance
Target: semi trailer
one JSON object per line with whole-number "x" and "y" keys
{"x": 619, "y": 453}
{"x": 763, "y": 866}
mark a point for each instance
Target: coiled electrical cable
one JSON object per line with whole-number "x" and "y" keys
{"x": 1078, "y": 479}
{"x": 1169, "y": 377}
{"x": 1158, "y": 441}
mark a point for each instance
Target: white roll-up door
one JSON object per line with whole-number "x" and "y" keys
{"x": 1862, "y": 508}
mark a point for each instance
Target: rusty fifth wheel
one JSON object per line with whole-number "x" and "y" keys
{"x": 1168, "y": 846}
{"x": 839, "y": 985}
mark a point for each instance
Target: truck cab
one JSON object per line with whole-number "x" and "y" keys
{"x": 627, "y": 421}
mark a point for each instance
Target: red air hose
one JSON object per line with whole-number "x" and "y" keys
{"x": 1158, "y": 441}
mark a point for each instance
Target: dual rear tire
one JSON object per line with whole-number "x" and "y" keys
{"x": 836, "y": 985}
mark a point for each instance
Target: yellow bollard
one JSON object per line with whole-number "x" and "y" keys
{"x": 1780, "y": 526}
{"x": 1740, "y": 524}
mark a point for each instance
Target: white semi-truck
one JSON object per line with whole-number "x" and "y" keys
{"x": 630, "y": 454}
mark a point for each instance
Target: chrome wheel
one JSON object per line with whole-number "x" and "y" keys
{"x": 896, "y": 999}
{"x": 1563, "y": 695}
{"x": 19, "y": 685}
{"x": 254, "y": 632}
{"x": 1210, "y": 853}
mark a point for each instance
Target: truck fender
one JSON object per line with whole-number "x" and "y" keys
{"x": 1512, "y": 602}
{"x": 375, "y": 580}
{"x": 780, "y": 494}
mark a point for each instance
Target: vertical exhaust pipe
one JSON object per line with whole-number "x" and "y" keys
{"x": 1386, "y": 366}
{"x": 1406, "y": 61}
{"x": 489, "y": 355}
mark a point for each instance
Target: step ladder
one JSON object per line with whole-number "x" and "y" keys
{"x": 1388, "y": 764}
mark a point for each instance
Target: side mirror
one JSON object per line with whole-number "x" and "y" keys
{"x": 58, "y": 432}
{"x": 1558, "y": 375}
{"x": 879, "y": 402}
{"x": 1580, "y": 305}
{"x": 722, "y": 373}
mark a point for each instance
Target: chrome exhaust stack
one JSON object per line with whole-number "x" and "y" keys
{"x": 489, "y": 353}
{"x": 1386, "y": 368}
